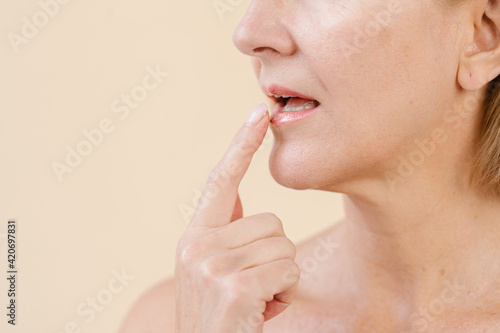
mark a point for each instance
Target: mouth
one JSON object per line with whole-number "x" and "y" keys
{"x": 294, "y": 104}
{"x": 289, "y": 105}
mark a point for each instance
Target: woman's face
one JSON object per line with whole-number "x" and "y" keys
{"x": 384, "y": 72}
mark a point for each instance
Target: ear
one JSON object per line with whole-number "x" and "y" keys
{"x": 480, "y": 60}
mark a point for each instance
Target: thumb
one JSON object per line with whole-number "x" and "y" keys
{"x": 238, "y": 209}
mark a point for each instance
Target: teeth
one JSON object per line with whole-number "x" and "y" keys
{"x": 305, "y": 106}
{"x": 282, "y": 96}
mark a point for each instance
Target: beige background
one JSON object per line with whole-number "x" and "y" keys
{"x": 121, "y": 208}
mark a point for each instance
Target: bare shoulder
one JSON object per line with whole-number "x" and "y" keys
{"x": 154, "y": 312}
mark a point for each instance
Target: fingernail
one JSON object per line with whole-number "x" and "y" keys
{"x": 257, "y": 114}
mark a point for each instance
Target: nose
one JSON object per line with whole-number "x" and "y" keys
{"x": 262, "y": 32}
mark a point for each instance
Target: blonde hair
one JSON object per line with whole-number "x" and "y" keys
{"x": 486, "y": 171}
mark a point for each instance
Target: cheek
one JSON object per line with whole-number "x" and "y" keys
{"x": 385, "y": 89}
{"x": 379, "y": 99}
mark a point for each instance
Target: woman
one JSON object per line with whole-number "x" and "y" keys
{"x": 392, "y": 103}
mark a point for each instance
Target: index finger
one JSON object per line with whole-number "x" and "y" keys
{"x": 218, "y": 198}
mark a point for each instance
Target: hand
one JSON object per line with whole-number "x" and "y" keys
{"x": 233, "y": 273}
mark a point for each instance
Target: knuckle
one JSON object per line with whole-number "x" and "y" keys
{"x": 215, "y": 237}
{"x": 188, "y": 252}
{"x": 205, "y": 196}
{"x": 211, "y": 268}
{"x": 270, "y": 217}
{"x": 238, "y": 286}
{"x": 222, "y": 175}
{"x": 216, "y": 178}
{"x": 291, "y": 249}
{"x": 284, "y": 247}
{"x": 241, "y": 142}
{"x": 291, "y": 271}
{"x": 245, "y": 146}
{"x": 219, "y": 240}
{"x": 273, "y": 220}
{"x": 294, "y": 267}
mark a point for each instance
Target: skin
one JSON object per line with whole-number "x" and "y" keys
{"x": 418, "y": 249}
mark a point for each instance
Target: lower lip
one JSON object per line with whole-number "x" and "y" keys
{"x": 280, "y": 117}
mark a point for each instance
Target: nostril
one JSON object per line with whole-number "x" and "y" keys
{"x": 259, "y": 49}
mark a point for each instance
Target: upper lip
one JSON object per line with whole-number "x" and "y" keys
{"x": 275, "y": 89}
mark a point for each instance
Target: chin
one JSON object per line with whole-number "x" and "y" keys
{"x": 303, "y": 170}
{"x": 295, "y": 169}
{"x": 287, "y": 169}
{"x": 289, "y": 179}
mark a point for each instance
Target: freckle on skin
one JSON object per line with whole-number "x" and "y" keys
{"x": 441, "y": 271}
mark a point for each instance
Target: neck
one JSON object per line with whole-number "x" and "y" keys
{"x": 423, "y": 237}
{"x": 415, "y": 236}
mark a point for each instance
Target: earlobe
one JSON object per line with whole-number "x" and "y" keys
{"x": 477, "y": 70}
{"x": 465, "y": 78}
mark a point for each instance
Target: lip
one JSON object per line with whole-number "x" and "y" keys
{"x": 275, "y": 89}
{"x": 280, "y": 117}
